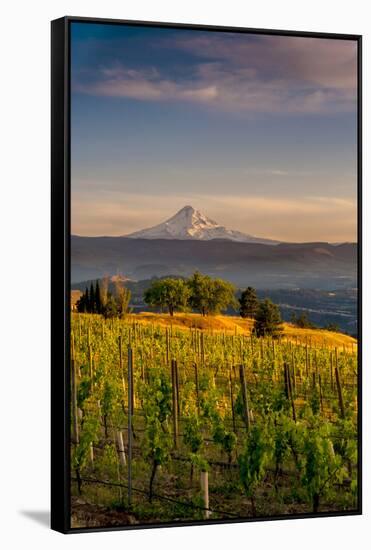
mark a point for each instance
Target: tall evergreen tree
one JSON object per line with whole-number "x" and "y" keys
{"x": 91, "y": 299}
{"x": 268, "y": 319}
{"x": 98, "y": 305}
{"x": 82, "y": 303}
{"x": 249, "y": 303}
{"x": 86, "y": 301}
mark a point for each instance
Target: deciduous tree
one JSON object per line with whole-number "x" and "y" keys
{"x": 172, "y": 294}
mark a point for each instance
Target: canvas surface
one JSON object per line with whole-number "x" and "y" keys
{"x": 214, "y": 367}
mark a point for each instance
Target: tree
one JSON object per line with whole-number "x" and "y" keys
{"x": 333, "y": 327}
{"x": 249, "y": 303}
{"x": 98, "y": 306}
{"x": 268, "y": 319}
{"x": 82, "y": 304}
{"x": 222, "y": 296}
{"x": 301, "y": 321}
{"x": 110, "y": 309}
{"x": 199, "y": 286}
{"x": 91, "y": 299}
{"x": 210, "y": 296}
{"x": 168, "y": 293}
{"x": 104, "y": 292}
{"x": 122, "y": 295}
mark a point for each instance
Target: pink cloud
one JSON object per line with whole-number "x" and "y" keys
{"x": 267, "y": 74}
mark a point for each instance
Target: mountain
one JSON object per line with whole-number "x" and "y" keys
{"x": 286, "y": 265}
{"x": 191, "y": 224}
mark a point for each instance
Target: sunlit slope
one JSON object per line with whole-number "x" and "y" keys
{"x": 229, "y": 324}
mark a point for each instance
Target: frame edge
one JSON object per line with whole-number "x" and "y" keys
{"x": 59, "y": 519}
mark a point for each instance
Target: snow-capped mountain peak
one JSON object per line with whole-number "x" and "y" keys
{"x": 189, "y": 223}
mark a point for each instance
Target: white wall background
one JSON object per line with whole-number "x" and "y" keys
{"x": 24, "y": 272}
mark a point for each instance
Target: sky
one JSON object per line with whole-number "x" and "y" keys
{"x": 258, "y": 132}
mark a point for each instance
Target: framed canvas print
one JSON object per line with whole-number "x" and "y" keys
{"x": 206, "y": 274}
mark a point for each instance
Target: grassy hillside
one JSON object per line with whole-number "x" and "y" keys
{"x": 230, "y": 325}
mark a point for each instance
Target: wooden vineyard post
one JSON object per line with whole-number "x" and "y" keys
{"x": 131, "y": 389}
{"x": 121, "y": 448}
{"x": 293, "y": 372}
{"x": 177, "y": 386}
{"x": 121, "y": 363}
{"x": 205, "y": 493}
{"x": 167, "y": 346}
{"x": 80, "y": 332}
{"x": 72, "y": 345}
{"x": 286, "y": 381}
{"x": 91, "y": 453}
{"x": 289, "y": 390}
{"x": 75, "y": 419}
{"x": 291, "y": 397}
{"x": 340, "y": 392}
{"x": 320, "y": 392}
{"x": 197, "y": 388}
{"x": 130, "y": 414}
{"x": 202, "y": 349}
{"x": 90, "y": 361}
{"x": 231, "y": 397}
{"x": 306, "y": 360}
{"x": 142, "y": 366}
{"x": 246, "y": 411}
{"x": 175, "y": 402}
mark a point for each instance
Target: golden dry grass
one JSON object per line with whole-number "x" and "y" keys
{"x": 237, "y": 325}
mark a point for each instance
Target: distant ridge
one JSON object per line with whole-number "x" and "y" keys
{"x": 191, "y": 224}
{"x": 306, "y": 265}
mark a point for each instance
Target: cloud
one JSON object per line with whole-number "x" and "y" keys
{"x": 278, "y": 172}
{"x": 327, "y": 62}
{"x": 275, "y": 205}
{"x": 145, "y": 85}
{"x": 243, "y": 73}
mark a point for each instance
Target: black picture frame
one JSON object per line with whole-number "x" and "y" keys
{"x": 60, "y": 266}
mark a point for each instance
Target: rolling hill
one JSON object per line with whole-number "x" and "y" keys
{"x": 285, "y": 265}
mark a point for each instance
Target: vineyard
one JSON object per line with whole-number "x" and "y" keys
{"x": 176, "y": 423}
